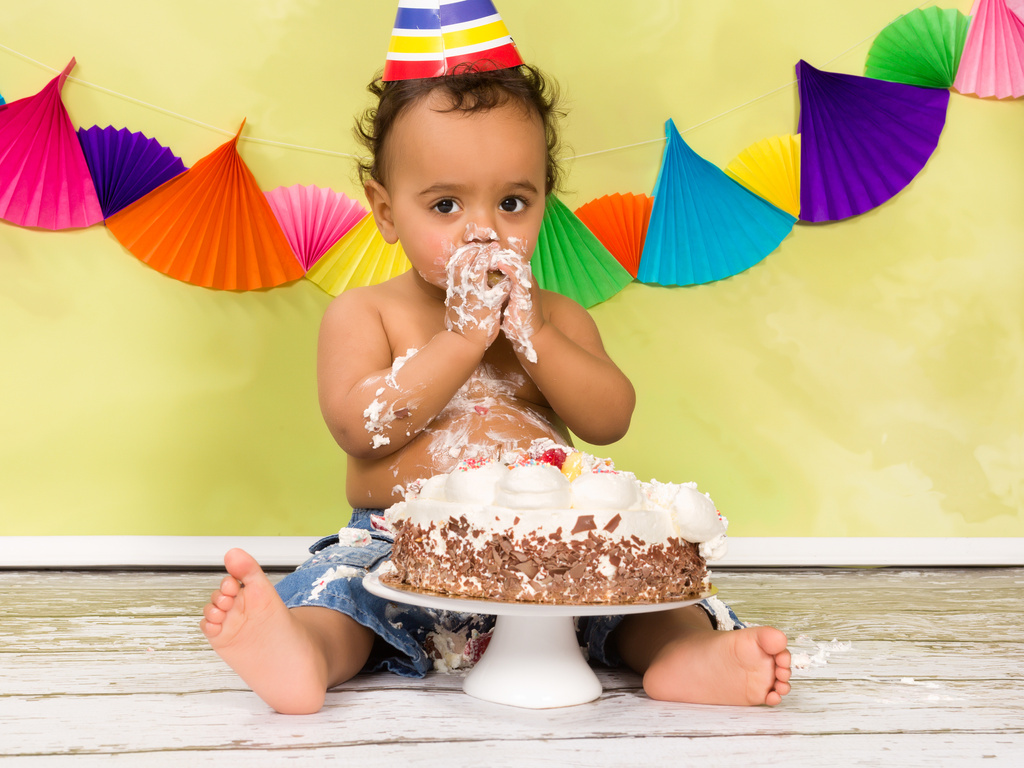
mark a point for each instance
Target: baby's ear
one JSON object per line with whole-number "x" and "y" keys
{"x": 380, "y": 206}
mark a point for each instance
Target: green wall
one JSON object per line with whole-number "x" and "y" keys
{"x": 865, "y": 379}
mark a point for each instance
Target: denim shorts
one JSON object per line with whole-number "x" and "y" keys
{"x": 411, "y": 640}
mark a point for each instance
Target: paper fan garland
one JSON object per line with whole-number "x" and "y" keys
{"x": 210, "y": 226}
{"x": 771, "y": 169}
{"x": 313, "y": 218}
{"x": 571, "y": 261}
{"x": 620, "y": 223}
{"x": 705, "y": 226}
{"x": 44, "y": 179}
{"x": 861, "y": 140}
{"x": 993, "y": 59}
{"x": 125, "y": 166}
{"x": 361, "y": 257}
{"x": 921, "y": 48}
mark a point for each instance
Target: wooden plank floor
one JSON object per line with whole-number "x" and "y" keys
{"x": 897, "y": 667}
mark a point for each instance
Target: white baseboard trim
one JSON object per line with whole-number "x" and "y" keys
{"x": 277, "y": 552}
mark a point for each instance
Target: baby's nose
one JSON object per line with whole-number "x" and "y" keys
{"x": 479, "y": 234}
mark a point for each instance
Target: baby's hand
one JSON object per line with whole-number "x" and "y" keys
{"x": 473, "y": 302}
{"x": 522, "y": 317}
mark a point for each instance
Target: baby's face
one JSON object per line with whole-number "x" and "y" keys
{"x": 456, "y": 178}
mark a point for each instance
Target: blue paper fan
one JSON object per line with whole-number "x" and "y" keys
{"x": 125, "y": 166}
{"x": 704, "y": 225}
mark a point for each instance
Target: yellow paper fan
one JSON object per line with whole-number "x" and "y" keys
{"x": 361, "y": 257}
{"x": 770, "y": 168}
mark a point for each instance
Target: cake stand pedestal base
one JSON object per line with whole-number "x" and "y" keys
{"x": 534, "y": 659}
{"x": 533, "y": 662}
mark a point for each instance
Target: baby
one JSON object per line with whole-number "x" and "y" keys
{"x": 461, "y": 356}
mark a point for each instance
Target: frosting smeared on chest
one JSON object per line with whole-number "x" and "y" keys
{"x": 485, "y": 418}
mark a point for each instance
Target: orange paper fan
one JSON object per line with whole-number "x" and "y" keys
{"x": 210, "y": 226}
{"x": 620, "y": 223}
{"x": 361, "y": 257}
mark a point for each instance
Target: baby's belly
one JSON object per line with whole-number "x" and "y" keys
{"x": 481, "y": 429}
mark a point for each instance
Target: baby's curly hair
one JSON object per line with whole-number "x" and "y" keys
{"x": 468, "y": 90}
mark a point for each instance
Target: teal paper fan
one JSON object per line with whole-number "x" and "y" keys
{"x": 921, "y": 48}
{"x": 570, "y": 260}
{"x": 705, "y": 226}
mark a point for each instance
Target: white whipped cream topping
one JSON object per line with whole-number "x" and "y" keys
{"x": 434, "y": 488}
{"x": 537, "y": 486}
{"x": 475, "y": 486}
{"x": 693, "y": 512}
{"x": 606, "y": 490}
{"x": 523, "y": 498}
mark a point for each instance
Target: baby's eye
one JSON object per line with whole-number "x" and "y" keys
{"x": 512, "y": 204}
{"x": 446, "y": 206}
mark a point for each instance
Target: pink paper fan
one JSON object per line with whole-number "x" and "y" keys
{"x": 992, "y": 63}
{"x": 313, "y": 219}
{"x": 44, "y": 179}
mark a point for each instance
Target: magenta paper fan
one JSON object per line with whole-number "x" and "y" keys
{"x": 861, "y": 140}
{"x": 992, "y": 63}
{"x": 44, "y": 179}
{"x": 125, "y": 165}
{"x": 313, "y": 218}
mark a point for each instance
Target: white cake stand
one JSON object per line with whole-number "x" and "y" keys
{"x": 533, "y": 659}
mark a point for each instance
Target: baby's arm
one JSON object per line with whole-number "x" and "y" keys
{"x": 372, "y": 406}
{"x": 573, "y": 371}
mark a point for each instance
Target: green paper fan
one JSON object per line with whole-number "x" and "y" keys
{"x": 570, "y": 260}
{"x": 921, "y": 48}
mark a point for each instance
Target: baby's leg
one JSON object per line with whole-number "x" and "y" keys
{"x": 289, "y": 657}
{"x": 683, "y": 658}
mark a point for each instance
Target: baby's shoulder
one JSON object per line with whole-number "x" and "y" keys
{"x": 363, "y": 300}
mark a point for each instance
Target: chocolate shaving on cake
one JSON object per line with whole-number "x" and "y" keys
{"x": 543, "y": 568}
{"x": 584, "y": 523}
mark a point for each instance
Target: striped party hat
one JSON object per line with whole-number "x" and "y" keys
{"x": 432, "y": 37}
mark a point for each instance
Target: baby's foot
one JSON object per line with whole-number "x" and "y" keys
{"x": 249, "y": 626}
{"x": 741, "y": 667}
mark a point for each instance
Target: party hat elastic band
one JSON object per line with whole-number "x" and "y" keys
{"x": 432, "y": 37}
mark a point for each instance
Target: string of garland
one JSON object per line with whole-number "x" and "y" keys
{"x": 859, "y": 142}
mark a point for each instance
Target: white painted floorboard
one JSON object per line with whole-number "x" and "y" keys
{"x": 899, "y": 667}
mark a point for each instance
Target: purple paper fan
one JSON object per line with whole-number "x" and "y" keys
{"x": 125, "y": 166}
{"x": 861, "y": 140}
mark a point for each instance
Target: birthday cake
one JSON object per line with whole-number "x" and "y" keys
{"x": 553, "y": 525}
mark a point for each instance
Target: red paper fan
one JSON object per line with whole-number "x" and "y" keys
{"x": 313, "y": 218}
{"x": 620, "y": 223}
{"x": 44, "y": 179}
{"x": 210, "y": 226}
